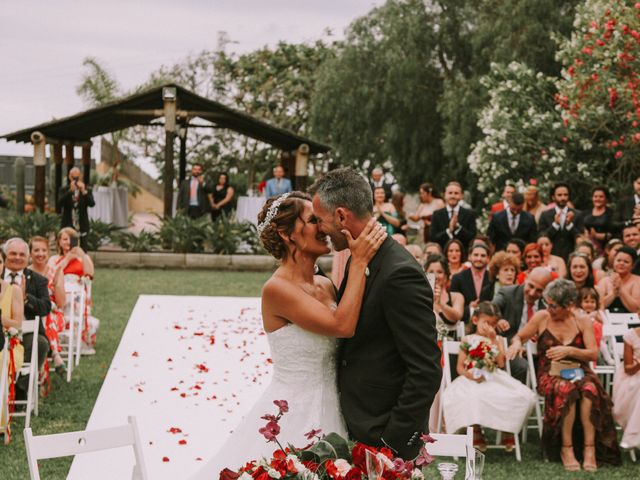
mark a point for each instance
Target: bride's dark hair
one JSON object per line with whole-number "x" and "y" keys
{"x": 283, "y": 222}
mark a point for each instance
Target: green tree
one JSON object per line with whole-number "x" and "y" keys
{"x": 375, "y": 102}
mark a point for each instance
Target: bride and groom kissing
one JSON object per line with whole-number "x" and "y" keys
{"x": 361, "y": 360}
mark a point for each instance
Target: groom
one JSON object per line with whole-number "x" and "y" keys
{"x": 389, "y": 372}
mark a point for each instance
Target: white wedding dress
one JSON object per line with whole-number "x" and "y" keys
{"x": 305, "y": 376}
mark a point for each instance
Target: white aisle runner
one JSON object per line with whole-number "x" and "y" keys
{"x": 188, "y": 368}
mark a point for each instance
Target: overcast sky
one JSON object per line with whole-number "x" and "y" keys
{"x": 43, "y": 43}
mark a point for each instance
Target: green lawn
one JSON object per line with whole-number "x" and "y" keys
{"x": 115, "y": 292}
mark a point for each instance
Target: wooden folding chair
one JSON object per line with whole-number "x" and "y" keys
{"x": 453, "y": 348}
{"x": 30, "y": 368}
{"x": 73, "y": 443}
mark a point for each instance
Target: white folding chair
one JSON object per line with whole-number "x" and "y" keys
{"x": 449, "y": 445}
{"x": 73, "y": 443}
{"x": 532, "y": 382}
{"x": 4, "y": 389}
{"x": 453, "y": 348}
{"x": 71, "y": 339}
{"x": 625, "y": 318}
{"x": 609, "y": 333}
{"x": 30, "y": 368}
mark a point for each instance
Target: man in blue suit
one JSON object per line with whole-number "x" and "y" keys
{"x": 278, "y": 184}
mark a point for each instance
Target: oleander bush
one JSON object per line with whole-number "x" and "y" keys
{"x": 28, "y": 225}
{"x": 226, "y": 236}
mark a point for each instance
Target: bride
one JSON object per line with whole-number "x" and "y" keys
{"x": 302, "y": 322}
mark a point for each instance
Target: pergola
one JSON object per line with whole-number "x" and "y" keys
{"x": 177, "y": 106}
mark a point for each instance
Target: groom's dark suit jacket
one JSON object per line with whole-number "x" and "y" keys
{"x": 389, "y": 372}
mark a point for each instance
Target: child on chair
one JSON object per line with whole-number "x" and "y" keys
{"x": 483, "y": 394}
{"x": 589, "y": 302}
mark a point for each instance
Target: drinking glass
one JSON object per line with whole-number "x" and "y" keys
{"x": 475, "y": 464}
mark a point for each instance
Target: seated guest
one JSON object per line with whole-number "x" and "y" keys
{"x": 432, "y": 248}
{"x": 579, "y": 271}
{"x": 552, "y": 262}
{"x": 483, "y": 395}
{"x": 415, "y": 251}
{"x": 36, "y": 302}
{"x": 515, "y": 247}
{"x": 448, "y": 306}
{"x": 518, "y": 305}
{"x": 532, "y": 203}
{"x": 12, "y": 310}
{"x": 586, "y": 248}
{"x": 512, "y": 223}
{"x": 454, "y": 253}
{"x": 561, "y": 224}
{"x": 626, "y": 391}
{"x": 620, "y": 291}
{"x": 74, "y": 262}
{"x": 474, "y": 283}
{"x": 631, "y": 238}
{"x": 532, "y": 259}
{"x": 564, "y": 334}
{"x": 605, "y": 262}
{"x": 278, "y": 184}
{"x": 503, "y": 270}
{"x": 385, "y": 212}
{"x": 424, "y": 213}
{"x": 453, "y": 221}
{"x": 590, "y": 304}
{"x": 599, "y": 221}
{"x": 54, "y": 322}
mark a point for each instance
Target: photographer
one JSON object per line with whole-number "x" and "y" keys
{"x": 74, "y": 200}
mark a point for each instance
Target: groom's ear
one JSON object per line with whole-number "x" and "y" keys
{"x": 342, "y": 214}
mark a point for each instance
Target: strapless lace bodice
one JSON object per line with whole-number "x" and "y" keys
{"x": 302, "y": 357}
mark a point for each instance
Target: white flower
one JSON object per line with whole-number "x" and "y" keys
{"x": 297, "y": 464}
{"x": 245, "y": 476}
{"x": 273, "y": 473}
{"x": 417, "y": 474}
{"x": 384, "y": 459}
{"x": 343, "y": 466}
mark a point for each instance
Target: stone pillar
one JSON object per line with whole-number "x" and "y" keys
{"x": 56, "y": 151}
{"x": 86, "y": 163}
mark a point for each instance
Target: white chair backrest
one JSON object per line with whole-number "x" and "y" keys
{"x": 73, "y": 443}
{"x": 625, "y": 318}
{"x": 609, "y": 333}
{"x": 532, "y": 349}
{"x": 448, "y": 445}
{"x": 29, "y": 326}
{"x": 614, "y": 329}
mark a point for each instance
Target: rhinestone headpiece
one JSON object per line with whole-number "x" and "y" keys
{"x": 272, "y": 212}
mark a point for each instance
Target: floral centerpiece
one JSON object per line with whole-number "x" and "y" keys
{"x": 481, "y": 354}
{"x": 327, "y": 457}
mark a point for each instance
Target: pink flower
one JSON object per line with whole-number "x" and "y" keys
{"x": 423, "y": 458}
{"x": 426, "y": 438}
{"x": 312, "y": 433}
{"x": 619, "y": 154}
{"x": 398, "y": 465}
{"x": 270, "y": 431}
{"x": 282, "y": 405}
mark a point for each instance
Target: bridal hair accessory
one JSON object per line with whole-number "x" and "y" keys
{"x": 272, "y": 212}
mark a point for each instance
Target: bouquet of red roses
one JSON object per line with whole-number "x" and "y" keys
{"x": 481, "y": 353}
{"x": 328, "y": 457}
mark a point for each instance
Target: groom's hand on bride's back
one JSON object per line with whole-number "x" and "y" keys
{"x": 368, "y": 242}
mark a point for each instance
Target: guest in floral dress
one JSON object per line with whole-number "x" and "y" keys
{"x": 578, "y": 411}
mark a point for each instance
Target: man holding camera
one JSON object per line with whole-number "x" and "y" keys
{"x": 74, "y": 200}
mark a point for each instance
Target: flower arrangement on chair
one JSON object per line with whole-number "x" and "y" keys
{"x": 327, "y": 457}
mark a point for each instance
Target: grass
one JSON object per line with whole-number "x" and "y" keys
{"x": 115, "y": 293}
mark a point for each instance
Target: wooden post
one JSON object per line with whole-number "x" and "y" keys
{"x": 69, "y": 161}
{"x": 182, "y": 170}
{"x": 86, "y": 163}
{"x": 20, "y": 185}
{"x": 302, "y": 166}
{"x": 40, "y": 164}
{"x": 56, "y": 151}
{"x": 169, "y": 96}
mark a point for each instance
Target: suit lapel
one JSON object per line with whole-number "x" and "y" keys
{"x": 374, "y": 266}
